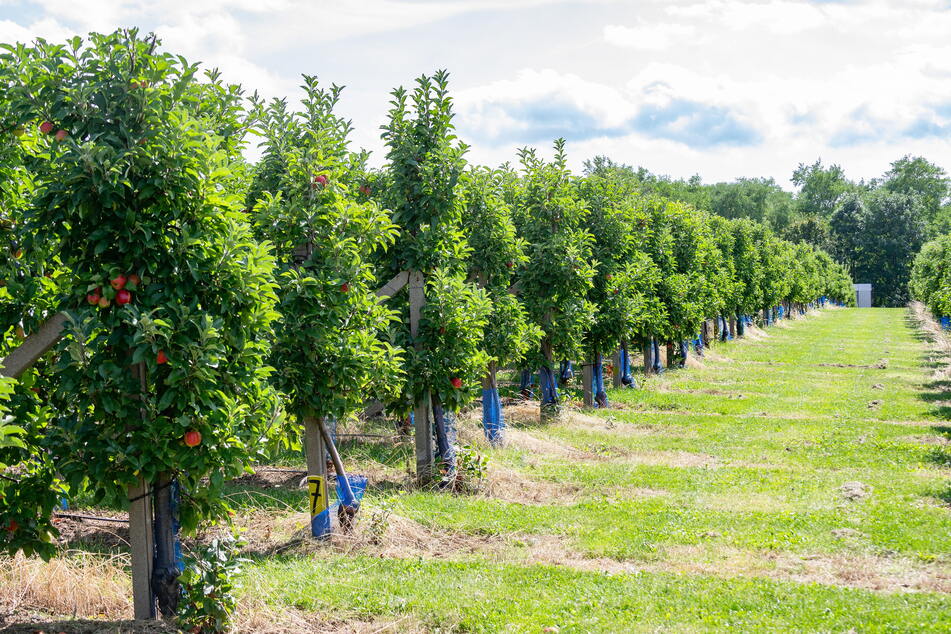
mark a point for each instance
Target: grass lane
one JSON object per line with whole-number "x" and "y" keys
{"x": 767, "y": 489}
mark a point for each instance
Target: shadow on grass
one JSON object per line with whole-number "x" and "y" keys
{"x": 940, "y": 457}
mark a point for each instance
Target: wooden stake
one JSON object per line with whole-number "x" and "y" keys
{"x": 317, "y": 478}
{"x": 587, "y": 376}
{"x": 616, "y": 361}
{"x": 394, "y": 286}
{"x": 143, "y": 549}
{"x": 421, "y": 412}
{"x": 33, "y": 347}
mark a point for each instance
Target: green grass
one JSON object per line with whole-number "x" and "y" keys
{"x": 740, "y": 463}
{"x": 480, "y": 596}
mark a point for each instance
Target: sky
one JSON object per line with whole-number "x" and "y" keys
{"x": 720, "y": 88}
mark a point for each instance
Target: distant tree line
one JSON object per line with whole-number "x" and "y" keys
{"x": 874, "y": 228}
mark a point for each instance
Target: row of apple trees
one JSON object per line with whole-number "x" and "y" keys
{"x": 931, "y": 276}
{"x": 211, "y": 303}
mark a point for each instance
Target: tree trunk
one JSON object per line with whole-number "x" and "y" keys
{"x": 587, "y": 378}
{"x": 548, "y": 384}
{"x": 493, "y": 422}
{"x": 165, "y": 573}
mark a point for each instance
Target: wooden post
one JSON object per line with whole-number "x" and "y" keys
{"x": 421, "y": 412}
{"x": 732, "y": 326}
{"x": 648, "y": 356}
{"x": 33, "y": 347}
{"x": 142, "y": 549}
{"x": 142, "y": 530}
{"x": 616, "y": 361}
{"x": 317, "y": 481}
{"x": 669, "y": 353}
{"x": 587, "y": 376}
{"x": 392, "y": 287}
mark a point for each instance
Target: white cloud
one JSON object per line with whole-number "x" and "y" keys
{"x": 646, "y": 36}
{"x": 779, "y": 16}
{"x": 725, "y": 88}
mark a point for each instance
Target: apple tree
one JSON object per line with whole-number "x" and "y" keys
{"x": 444, "y": 316}
{"x": 329, "y": 352}
{"x": 162, "y": 375}
{"x": 550, "y": 215}
{"x": 32, "y": 282}
{"x": 497, "y": 252}
{"x": 682, "y": 248}
{"x": 623, "y": 290}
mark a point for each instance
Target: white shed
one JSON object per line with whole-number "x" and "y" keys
{"x": 863, "y": 295}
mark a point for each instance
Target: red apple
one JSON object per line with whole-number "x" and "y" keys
{"x": 320, "y": 179}
{"x": 509, "y": 264}
{"x": 12, "y": 527}
{"x": 160, "y": 358}
{"x": 118, "y": 282}
{"x": 104, "y": 302}
{"x": 123, "y": 297}
{"x": 365, "y": 190}
{"x": 61, "y": 134}
{"x": 609, "y": 277}
{"x": 134, "y": 279}
{"x": 94, "y": 297}
{"x": 192, "y": 438}
{"x": 456, "y": 382}
{"x": 46, "y": 127}
{"x": 345, "y": 287}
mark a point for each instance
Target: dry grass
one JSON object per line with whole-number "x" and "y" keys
{"x": 885, "y": 574}
{"x": 513, "y": 486}
{"x": 75, "y": 583}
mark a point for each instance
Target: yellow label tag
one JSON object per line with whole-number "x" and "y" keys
{"x": 318, "y": 494}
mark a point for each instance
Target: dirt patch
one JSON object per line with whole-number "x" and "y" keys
{"x": 848, "y": 534}
{"x": 512, "y": 486}
{"x": 554, "y": 550}
{"x": 631, "y": 493}
{"x": 853, "y": 491}
{"x": 671, "y": 459}
{"x": 712, "y": 392}
{"x": 37, "y": 624}
{"x": 533, "y": 444}
{"x": 755, "y": 333}
{"x": 926, "y": 440}
{"x": 710, "y": 354}
{"x": 745, "y": 502}
{"x": 870, "y": 572}
{"x": 612, "y": 425}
